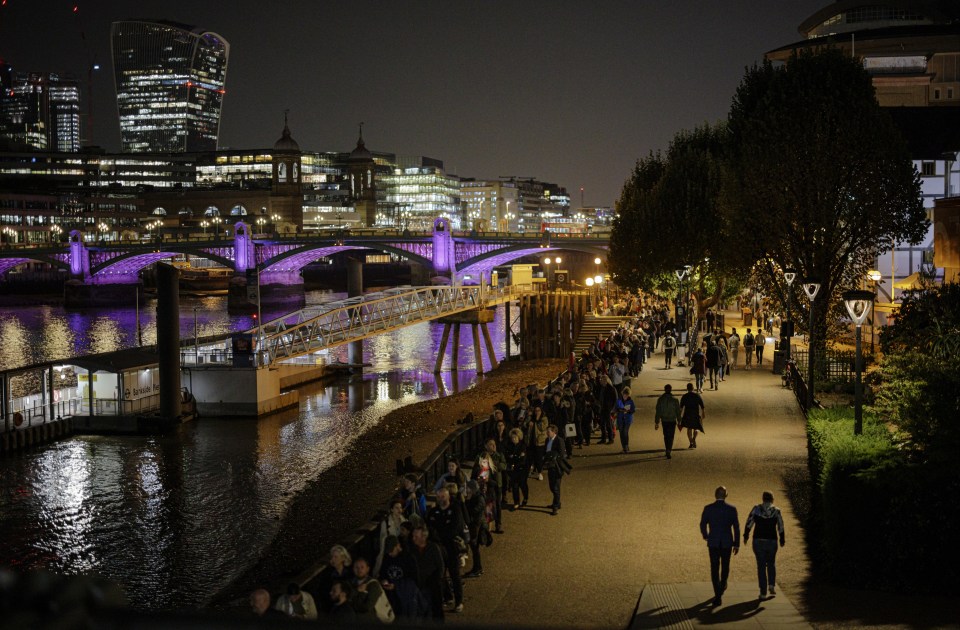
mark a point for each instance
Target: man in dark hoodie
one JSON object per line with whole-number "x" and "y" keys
{"x": 769, "y": 523}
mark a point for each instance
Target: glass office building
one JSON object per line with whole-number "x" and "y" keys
{"x": 170, "y": 85}
{"x": 40, "y": 111}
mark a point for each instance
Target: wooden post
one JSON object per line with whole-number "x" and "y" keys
{"x": 489, "y": 343}
{"x": 443, "y": 348}
{"x": 455, "y": 353}
{"x": 506, "y": 325}
{"x": 478, "y": 357}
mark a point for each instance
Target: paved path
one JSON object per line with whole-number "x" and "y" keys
{"x": 631, "y": 520}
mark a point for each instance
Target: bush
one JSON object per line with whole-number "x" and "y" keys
{"x": 919, "y": 393}
{"x": 884, "y": 520}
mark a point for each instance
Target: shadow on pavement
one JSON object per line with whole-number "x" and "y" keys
{"x": 703, "y": 614}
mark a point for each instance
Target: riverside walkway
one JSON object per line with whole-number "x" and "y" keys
{"x": 630, "y": 522}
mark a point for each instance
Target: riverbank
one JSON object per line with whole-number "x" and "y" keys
{"x": 347, "y": 495}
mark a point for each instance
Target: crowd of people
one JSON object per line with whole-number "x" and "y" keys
{"x": 426, "y": 545}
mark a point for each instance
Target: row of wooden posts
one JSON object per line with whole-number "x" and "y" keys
{"x": 550, "y": 323}
{"x": 549, "y": 326}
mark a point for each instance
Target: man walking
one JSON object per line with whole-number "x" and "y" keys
{"x": 720, "y": 527}
{"x": 554, "y": 460}
{"x": 692, "y": 412}
{"x": 769, "y": 523}
{"x": 733, "y": 342}
{"x": 669, "y": 344}
{"x": 668, "y": 412}
{"x": 761, "y": 341}
{"x": 748, "y": 348}
{"x": 713, "y": 364}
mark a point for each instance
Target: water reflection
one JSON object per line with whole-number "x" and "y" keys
{"x": 175, "y": 519}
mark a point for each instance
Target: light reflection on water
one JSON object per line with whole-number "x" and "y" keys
{"x": 174, "y": 519}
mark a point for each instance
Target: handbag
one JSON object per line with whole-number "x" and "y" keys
{"x": 570, "y": 430}
{"x": 383, "y": 609}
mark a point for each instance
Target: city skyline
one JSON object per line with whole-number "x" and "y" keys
{"x": 559, "y": 92}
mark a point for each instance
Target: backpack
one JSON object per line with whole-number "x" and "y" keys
{"x": 669, "y": 342}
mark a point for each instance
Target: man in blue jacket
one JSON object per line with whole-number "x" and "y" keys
{"x": 720, "y": 527}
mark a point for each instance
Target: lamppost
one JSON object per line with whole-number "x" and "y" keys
{"x": 789, "y": 275}
{"x": 874, "y": 276}
{"x": 598, "y": 281}
{"x": 260, "y": 223}
{"x": 810, "y": 288}
{"x": 217, "y": 221}
{"x": 858, "y": 305}
{"x": 204, "y": 225}
{"x": 589, "y": 282}
{"x": 681, "y": 307}
{"x": 56, "y": 231}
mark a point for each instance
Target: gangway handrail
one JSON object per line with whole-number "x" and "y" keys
{"x": 334, "y": 323}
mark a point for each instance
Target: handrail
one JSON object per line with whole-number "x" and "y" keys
{"x": 335, "y": 323}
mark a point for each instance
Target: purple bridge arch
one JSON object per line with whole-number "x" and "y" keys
{"x": 460, "y": 256}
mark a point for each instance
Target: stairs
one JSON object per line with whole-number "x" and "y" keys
{"x": 593, "y": 326}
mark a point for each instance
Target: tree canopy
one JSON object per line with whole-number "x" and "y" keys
{"x": 818, "y": 178}
{"x": 669, "y": 217}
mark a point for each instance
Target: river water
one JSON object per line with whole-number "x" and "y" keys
{"x": 174, "y": 519}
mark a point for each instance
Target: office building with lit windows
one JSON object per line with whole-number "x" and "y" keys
{"x": 170, "y": 82}
{"x": 490, "y": 205}
{"x": 39, "y": 111}
{"x": 417, "y": 192}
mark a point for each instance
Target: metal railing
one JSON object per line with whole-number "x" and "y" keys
{"x": 39, "y": 414}
{"x": 335, "y": 323}
{"x": 838, "y": 365}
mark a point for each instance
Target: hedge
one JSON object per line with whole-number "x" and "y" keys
{"x": 884, "y": 522}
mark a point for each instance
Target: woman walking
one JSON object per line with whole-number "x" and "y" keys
{"x": 515, "y": 453}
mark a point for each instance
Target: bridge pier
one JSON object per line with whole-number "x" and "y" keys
{"x": 478, "y": 320}
{"x": 354, "y": 289}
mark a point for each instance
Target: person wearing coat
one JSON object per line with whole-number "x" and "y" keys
{"x": 536, "y": 437}
{"x": 720, "y": 527}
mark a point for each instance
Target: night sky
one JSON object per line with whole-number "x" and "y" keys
{"x": 570, "y": 93}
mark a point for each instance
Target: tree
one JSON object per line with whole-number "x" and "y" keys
{"x": 669, "y": 217}
{"x": 818, "y": 177}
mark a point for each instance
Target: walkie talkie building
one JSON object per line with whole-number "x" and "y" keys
{"x": 170, "y": 85}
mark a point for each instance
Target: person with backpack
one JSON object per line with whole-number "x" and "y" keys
{"x": 769, "y": 527}
{"x": 749, "y": 343}
{"x": 669, "y": 344}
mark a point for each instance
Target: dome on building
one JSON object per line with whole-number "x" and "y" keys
{"x": 286, "y": 141}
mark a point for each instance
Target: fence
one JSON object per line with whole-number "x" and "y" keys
{"x": 839, "y": 366}
{"x": 39, "y": 414}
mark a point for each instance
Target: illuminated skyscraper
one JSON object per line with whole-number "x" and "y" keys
{"x": 170, "y": 85}
{"x": 39, "y": 110}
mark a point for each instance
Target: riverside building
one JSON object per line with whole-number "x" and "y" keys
{"x": 170, "y": 82}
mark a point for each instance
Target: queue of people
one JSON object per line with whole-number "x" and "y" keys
{"x": 425, "y": 546}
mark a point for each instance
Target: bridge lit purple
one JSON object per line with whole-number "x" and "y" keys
{"x": 463, "y": 257}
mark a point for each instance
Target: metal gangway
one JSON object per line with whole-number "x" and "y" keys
{"x": 335, "y": 323}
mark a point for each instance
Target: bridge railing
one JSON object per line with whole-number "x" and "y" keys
{"x": 338, "y": 322}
